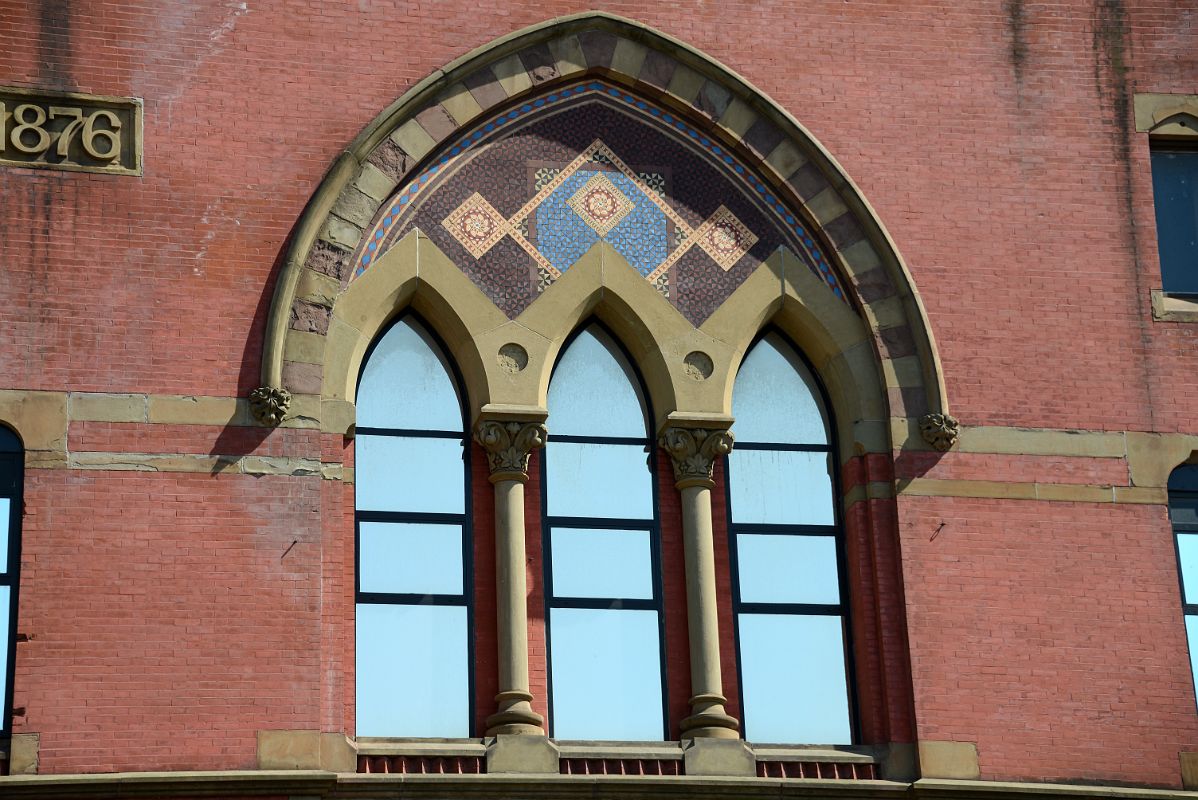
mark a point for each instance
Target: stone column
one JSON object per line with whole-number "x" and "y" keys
{"x": 508, "y": 444}
{"x": 694, "y": 451}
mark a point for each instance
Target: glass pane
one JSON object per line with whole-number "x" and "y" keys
{"x": 1183, "y": 510}
{"x": 1175, "y": 193}
{"x": 404, "y": 473}
{"x": 4, "y": 610}
{"x": 5, "y": 521}
{"x": 793, "y": 679}
{"x": 610, "y": 658}
{"x": 598, "y": 480}
{"x": 782, "y": 487}
{"x": 787, "y": 569}
{"x": 774, "y": 398}
{"x": 1187, "y": 554}
{"x": 1192, "y": 637}
{"x": 412, "y": 675}
{"x": 406, "y": 383}
{"x": 410, "y": 557}
{"x": 589, "y": 562}
{"x": 594, "y": 392}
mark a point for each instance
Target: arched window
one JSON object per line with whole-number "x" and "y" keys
{"x": 414, "y": 626}
{"x": 602, "y": 574}
{"x": 12, "y": 466}
{"x": 789, "y": 594}
{"x": 1183, "y": 513}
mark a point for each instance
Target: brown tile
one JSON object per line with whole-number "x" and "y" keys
{"x": 844, "y": 231}
{"x": 875, "y": 285}
{"x": 762, "y": 138}
{"x": 907, "y": 401}
{"x": 437, "y": 122}
{"x": 896, "y": 342}
{"x": 309, "y": 317}
{"x": 328, "y": 259}
{"x": 657, "y": 69}
{"x": 540, "y": 63}
{"x": 713, "y": 100}
{"x": 808, "y": 181}
{"x": 302, "y": 378}
{"x": 485, "y": 88}
{"x": 391, "y": 160}
{"x": 597, "y": 48}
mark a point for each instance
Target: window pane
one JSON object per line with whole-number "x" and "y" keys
{"x": 784, "y": 487}
{"x": 1192, "y": 638}
{"x": 410, "y": 558}
{"x": 594, "y": 392}
{"x": 5, "y": 521}
{"x": 1187, "y": 554}
{"x": 406, "y": 383}
{"x": 602, "y": 563}
{"x": 793, "y": 679}
{"x": 598, "y": 480}
{"x": 774, "y": 397}
{"x": 606, "y": 673}
{"x": 412, "y": 671}
{"x": 1175, "y": 192}
{"x": 1183, "y": 511}
{"x": 403, "y": 473}
{"x": 787, "y": 569}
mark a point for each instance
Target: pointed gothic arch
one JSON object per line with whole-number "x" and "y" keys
{"x": 317, "y": 330}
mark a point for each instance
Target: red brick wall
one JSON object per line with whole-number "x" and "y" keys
{"x": 991, "y": 139}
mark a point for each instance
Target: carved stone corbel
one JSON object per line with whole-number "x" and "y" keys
{"x": 269, "y": 405}
{"x": 693, "y": 452}
{"x": 508, "y": 446}
{"x": 941, "y": 431}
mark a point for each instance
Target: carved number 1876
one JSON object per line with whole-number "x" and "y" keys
{"x": 28, "y": 133}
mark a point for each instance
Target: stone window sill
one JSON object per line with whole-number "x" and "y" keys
{"x": 470, "y": 756}
{"x": 1174, "y": 308}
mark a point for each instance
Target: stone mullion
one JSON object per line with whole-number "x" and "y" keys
{"x": 508, "y": 445}
{"x": 693, "y": 452}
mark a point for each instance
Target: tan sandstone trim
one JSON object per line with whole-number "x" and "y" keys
{"x": 1167, "y": 115}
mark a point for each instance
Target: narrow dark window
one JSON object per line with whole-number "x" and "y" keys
{"x": 602, "y": 570}
{"x": 1175, "y": 194}
{"x": 12, "y": 466}
{"x": 413, "y": 553}
{"x": 1183, "y": 513}
{"x": 789, "y": 593}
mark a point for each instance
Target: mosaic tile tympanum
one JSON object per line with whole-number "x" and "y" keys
{"x": 519, "y": 199}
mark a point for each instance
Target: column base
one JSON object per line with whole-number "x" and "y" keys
{"x": 708, "y": 719}
{"x": 515, "y": 715}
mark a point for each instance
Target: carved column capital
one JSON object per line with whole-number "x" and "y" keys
{"x": 693, "y": 452}
{"x": 508, "y": 445}
{"x": 269, "y": 405}
{"x": 939, "y": 430}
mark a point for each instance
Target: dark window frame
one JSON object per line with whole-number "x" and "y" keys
{"x": 843, "y": 609}
{"x": 12, "y": 486}
{"x": 1183, "y": 485}
{"x": 465, "y": 519}
{"x": 653, "y": 527}
{"x": 1172, "y": 147}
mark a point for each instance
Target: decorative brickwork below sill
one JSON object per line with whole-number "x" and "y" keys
{"x": 621, "y": 766}
{"x": 421, "y": 765}
{"x": 825, "y": 770}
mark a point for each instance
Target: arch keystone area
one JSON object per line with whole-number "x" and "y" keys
{"x": 310, "y": 346}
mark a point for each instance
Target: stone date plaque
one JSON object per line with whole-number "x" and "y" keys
{"x": 70, "y": 131}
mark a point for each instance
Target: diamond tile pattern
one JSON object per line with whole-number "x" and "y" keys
{"x": 476, "y": 225}
{"x": 519, "y": 210}
{"x": 600, "y": 204}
